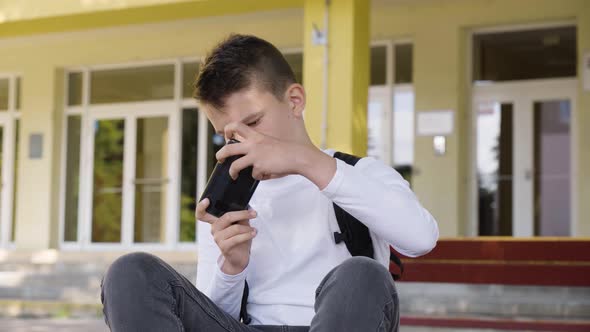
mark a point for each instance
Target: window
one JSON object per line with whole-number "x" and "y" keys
{"x": 295, "y": 60}
{"x": 107, "y": 176}
{"x": 189, "y": 181}
{"x": 522, "y": 55}
{"x": 390, "y": 117}
{"x": 75, "y": 89}
{"x": 494, "y": 168}
{"x": 4, "y": 93}
{"x": 131, "y": 156}
{"x": 15, "y": 183}
{"x": 17, "y": 94}
{"x": 73, "y": 142}
{"x": 214, "y": 143}
{"x": 378, "y": 65}
{"x": 403, "y": 127}
{"x": 151, "y": 181}
{"x": 190, "y": 70}
{"x": 403, "y": 63}
{"x": 132, "y": 84}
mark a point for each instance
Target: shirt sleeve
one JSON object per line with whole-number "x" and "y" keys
{"x": 223, "y": 289}
{"x": 379, "y": 197}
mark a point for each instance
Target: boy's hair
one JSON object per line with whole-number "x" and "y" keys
{"x": 236, "y": 64}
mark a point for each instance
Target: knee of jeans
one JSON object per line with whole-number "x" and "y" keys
{"x": 129, "y": 269}
{"x": 365, "y": 268}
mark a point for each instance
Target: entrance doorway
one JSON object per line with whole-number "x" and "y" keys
{"x": 523, "y": 157}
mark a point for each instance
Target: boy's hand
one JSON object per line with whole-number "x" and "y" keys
{"x": 272, "y": 158}
{"x": 232, "y": 234}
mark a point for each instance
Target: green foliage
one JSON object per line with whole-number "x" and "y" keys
{"x": 108, "y": 180}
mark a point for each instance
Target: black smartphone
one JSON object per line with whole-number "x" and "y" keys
{"x": 226, "y": 194}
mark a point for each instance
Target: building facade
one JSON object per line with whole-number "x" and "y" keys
{"x": 481, "y": 102}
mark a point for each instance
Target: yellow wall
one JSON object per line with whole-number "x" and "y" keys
{"x": 439, "y": 30}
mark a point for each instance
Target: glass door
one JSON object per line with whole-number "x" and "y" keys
{"x": 379, "y": 118}
{"x": 108, "y": 161}
{"x": 552, "y": 167}
{"x": 495, "y": 167}
{"x": 132, "y": 160}
{"x": 151, "y": 179}
{"x": 522, "y": 157}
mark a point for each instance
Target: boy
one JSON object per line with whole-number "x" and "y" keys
{"x": 299, "y": 278}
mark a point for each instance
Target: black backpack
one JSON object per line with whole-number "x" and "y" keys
{"x": 353, "y": 233}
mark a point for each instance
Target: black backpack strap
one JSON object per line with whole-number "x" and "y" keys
{"x": 244, "y": 317}
{"x": 354, "y": 233}
{"x": 393, "y": 258}
{"x": 347, "y": 158}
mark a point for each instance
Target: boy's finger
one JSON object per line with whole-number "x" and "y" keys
{"x": 201, "y": 211}
{"x": 239, "y": 164}
{"x": 233, "y": 241}
{"x": 233, "y": 230}
{"x": 229, "y": 150}
{"x": 231, "y": 217}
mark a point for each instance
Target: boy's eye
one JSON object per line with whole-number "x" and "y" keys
{"x": 254, "y": 123}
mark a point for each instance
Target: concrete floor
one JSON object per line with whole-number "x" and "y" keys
{"x": 98, "y": 325}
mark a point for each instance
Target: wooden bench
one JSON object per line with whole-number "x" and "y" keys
{"x": 505, "y": 261}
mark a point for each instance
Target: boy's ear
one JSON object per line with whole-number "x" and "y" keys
{"x": 295, "y": 96}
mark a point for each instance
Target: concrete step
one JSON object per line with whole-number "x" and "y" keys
{"x": 98, "y": 325}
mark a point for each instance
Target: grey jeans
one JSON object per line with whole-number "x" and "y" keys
{"x": 140, "y": 292}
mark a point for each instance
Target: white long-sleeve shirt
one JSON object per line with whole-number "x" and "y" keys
{"x": 294, "y": 247}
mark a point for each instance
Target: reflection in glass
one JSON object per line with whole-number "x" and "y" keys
{"x": 15, "y": 182}
{"x": 378, "y": 65}
{"x": 74, "y": 89}
{"x": 295, "y": 60}
{"x": 188, "y": 179}
{"x": 528, "y": 54}
{"x": 17, "y": 94}
{"x": 403, "y": 128}
{"x": 4, "y": 92}
{"x": 151, "y": 181}
{"x": 403, "y": 63}
{"x": 214, "y": 142}
{"x": 190, "y": 70}
{"x": 494, "y": 168}
{"x": 552, "y": 168}
{"x": 132, "y": 84}
{"x": 108, "y": 180}
{"x": 73, "y": 177}
{"x": 374, "y": 132}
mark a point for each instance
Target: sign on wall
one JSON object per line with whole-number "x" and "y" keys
{"x": 36, "y": 146}
{"x": 435, "y": 123}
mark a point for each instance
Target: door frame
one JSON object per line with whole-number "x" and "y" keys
{"x": 522, "y": 94}
{"x": 8, "y": 119}
{"x": 7, "y": 122}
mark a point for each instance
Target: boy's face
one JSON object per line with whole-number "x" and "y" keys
{"x": 262, "y": 111}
